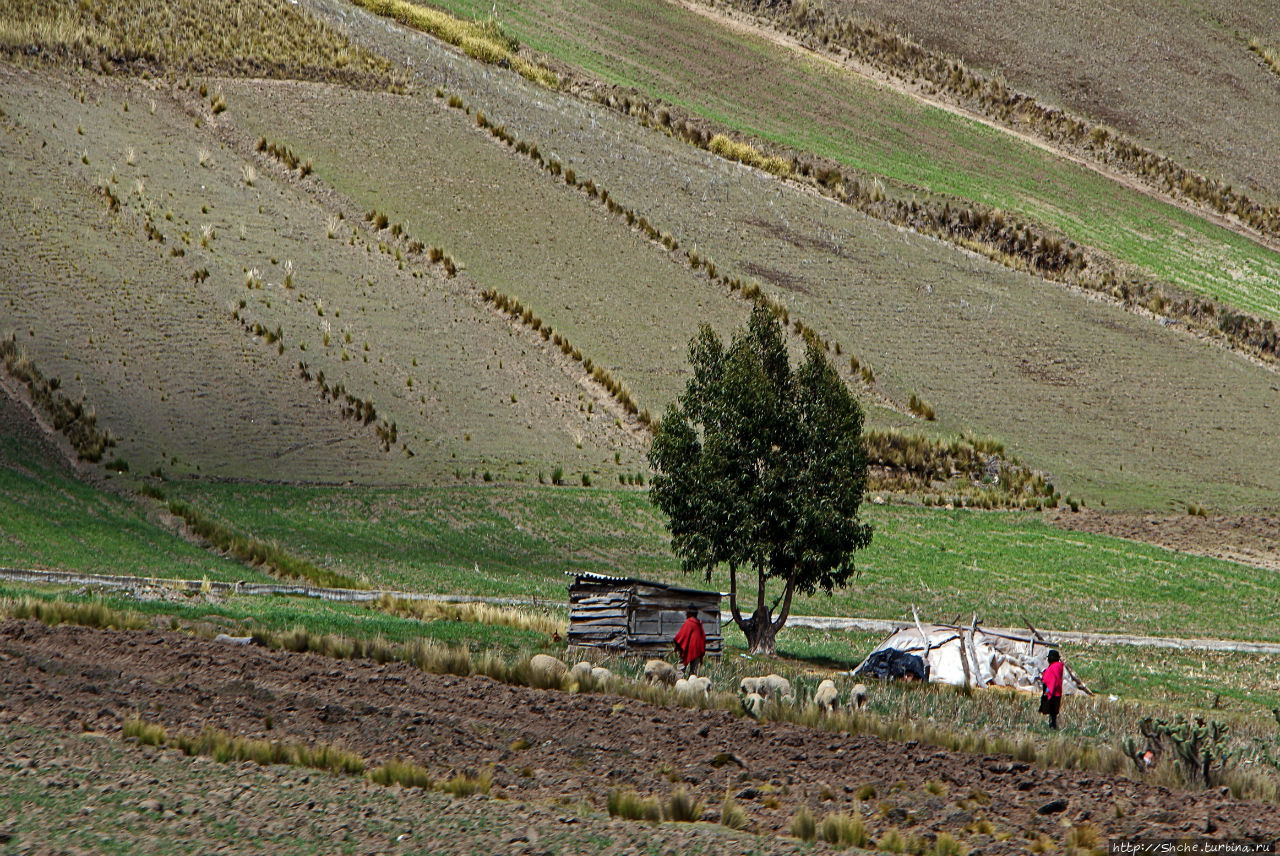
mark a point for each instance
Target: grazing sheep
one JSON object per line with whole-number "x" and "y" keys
{"x": 693, "y": 687}
{"x": 767, "y": 686}
{"x": 580, "y": 671}
{"x": 826, "y": 696}
{"x": 754, "y": 704}
{"x": 660, "y": 672}
{"x": 778, "y": 686}
{"x": 858, "y": 696}
{"x": 600, "y": 674}
{"x": 545, "y": 664}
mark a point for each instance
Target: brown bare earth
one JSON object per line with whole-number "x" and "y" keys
{"x": 1247, "y": 538}
{"x": 580, "y": 746}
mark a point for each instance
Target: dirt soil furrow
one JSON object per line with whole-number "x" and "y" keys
{"x": 580, "y": 746}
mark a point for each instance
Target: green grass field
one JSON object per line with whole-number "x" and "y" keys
{"x": 51, "y": 519}
{"x": 521, "y": 542}
{"x": 766, "y": 91}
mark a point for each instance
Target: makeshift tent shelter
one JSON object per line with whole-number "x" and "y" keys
{"x": 630, "y": 616}
{"x": 972, "y": 656}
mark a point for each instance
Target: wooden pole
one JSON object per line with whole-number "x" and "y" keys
{"x": 973, "y": 651}
{"x": 925, "y": 637}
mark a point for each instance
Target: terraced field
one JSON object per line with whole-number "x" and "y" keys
{"x": 765, "y": 90}
{"x": 1161, "y": 71}
{"x": 1067, "y": 383}
{"x": 121, "y": 316}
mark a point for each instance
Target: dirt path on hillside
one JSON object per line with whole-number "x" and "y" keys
{"x": 579, "y": 746}
{"x": 749, "y": 25}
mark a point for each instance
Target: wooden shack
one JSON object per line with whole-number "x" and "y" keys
{"x": 637, "y": 617}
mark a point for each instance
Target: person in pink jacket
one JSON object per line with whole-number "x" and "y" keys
{"x": 1051, "y": 701}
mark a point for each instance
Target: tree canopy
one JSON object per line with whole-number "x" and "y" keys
{"x": 760, "y": 467}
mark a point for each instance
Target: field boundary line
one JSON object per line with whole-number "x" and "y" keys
{"x": 812, "y": 622}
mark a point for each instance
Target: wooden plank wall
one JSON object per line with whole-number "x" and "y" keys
{"x": 598, "y": 615}
{"x": 638, "y": 619}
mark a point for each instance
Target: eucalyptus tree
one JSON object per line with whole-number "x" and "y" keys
{"x": 760, "y": 468}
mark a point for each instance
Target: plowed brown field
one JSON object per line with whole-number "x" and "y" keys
{"x": 580, "y": 746}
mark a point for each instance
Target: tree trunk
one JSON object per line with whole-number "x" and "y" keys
{"x": 760, "y": 631}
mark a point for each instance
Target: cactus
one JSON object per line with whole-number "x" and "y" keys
{"x": 1198, "y": 748}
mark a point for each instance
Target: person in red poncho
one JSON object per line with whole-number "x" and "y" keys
{"x": 1051, "y": 701}
{"x": 691, "y": 641}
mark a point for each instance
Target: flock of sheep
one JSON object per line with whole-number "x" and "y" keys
{"x": 755, "y": 692}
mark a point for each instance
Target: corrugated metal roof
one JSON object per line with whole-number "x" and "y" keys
{"x": 606, "y": 578}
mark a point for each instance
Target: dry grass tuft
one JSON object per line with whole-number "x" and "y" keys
{"x": 631, "y": 806}
{"x": 749, "y": 155}
{"x": 732, "y": 814}
{"x": 682, "y": 807}
{"x": 400, "y": 772}
{"x": 803, "y": 825}
{"x": 467, "y": 783}
{"x": 845, "y": 830}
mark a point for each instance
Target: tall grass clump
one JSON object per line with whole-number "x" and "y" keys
{"x": 803, "y": 825}
{"x": 748, "y": 154}
{"x": 732, "y": 814}
{"x": 921, "y": 408}
{"x": 844, "y": 830}
{"x": 146, "y": 733}
{"x": 400, "y": 772}
{"x": 683, "y": 807}
{"x": 468, "y": 783}
{"x": 629, "y": 805}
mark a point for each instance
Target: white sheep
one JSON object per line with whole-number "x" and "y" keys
{"x": 601, "y": 675}
{"x": 545, "y": 664}
{"x": 778, "y": 686}
{"x": 660, "y": 672}
{"x": 580, "y": 671}
{"x": 754, "y": 704}
{"x": 767, "y": 686}
{"x": 826, "y": 696}
{"x": 858, "y": 696}
{"x": 693, "y": 687}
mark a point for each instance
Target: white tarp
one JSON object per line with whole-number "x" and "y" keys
{"x": 993, "y": 659}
